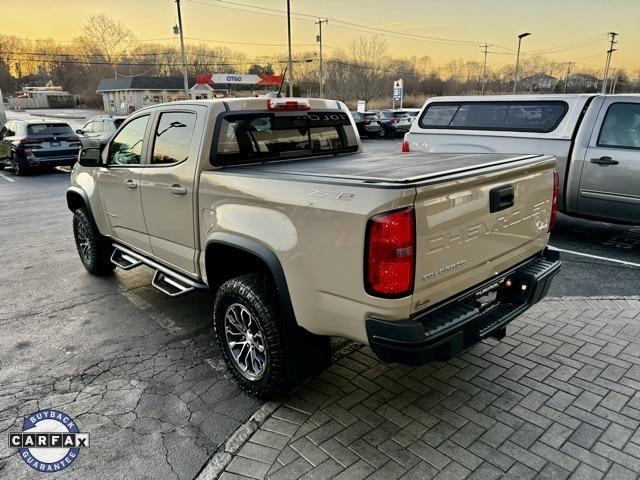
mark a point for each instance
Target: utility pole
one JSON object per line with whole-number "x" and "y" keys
{"x": 515, "y": 80}
{"x": 614, "y": 81}
{"x": 484, "y": 47}
{"x": 319, "y": 40}
{"x": 605, "y": 78}
{"x": 290, "y": 66}
{"x": 566, "y": 78}
{"x": 184, "y": 61}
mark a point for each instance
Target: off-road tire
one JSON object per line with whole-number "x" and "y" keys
{"x": 93, "y": 248}
{"x": 256, "y": 293}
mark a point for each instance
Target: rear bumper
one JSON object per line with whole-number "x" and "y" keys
{"x": 458, "y": 323}
{"x": 52, "y": 161}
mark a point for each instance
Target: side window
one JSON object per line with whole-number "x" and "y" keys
{"x": 173, "y": 137}
{"x": 97, "y": 127}
{"x": 88, "y": 128}
{"x": 621, "y": 126}
{"x": 126, "y": 147}
{"x": 516, "y": 116}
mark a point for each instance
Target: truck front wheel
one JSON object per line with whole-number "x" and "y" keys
{"x": 247, "y": 332}
{"x": 93, "y": 248}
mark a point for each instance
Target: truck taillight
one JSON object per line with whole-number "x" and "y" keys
{"x": 405, "y": 144}
{"x": 287, "y": 105}
{"x": 554, "y": 202}
{"x": 390, "y": 254}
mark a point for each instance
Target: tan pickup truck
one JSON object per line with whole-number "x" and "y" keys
{"x": 271, "y": 205}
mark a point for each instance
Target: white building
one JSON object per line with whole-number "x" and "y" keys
{"x": 126, "y": 94}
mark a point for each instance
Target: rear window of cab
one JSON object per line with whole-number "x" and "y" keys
{"x": 519, "y": 116}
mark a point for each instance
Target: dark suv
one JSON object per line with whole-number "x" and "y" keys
{"x": 368, "y": 124}
{"x": 26, "y": 145}
{"x": 395, "y": 124}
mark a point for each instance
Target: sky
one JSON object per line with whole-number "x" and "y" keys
{"x": 562, "y": 30}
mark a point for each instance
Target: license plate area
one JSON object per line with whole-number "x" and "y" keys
{"x": 487, "y": 297}
{"x": 54, "y": 144}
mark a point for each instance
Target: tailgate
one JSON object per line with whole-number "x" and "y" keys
{"x": 461, "y": 242}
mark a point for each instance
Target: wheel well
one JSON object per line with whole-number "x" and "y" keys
{"x": 224, "y": 262}
{"x": 74, "y": 201}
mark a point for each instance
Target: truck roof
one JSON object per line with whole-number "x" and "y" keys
{"x": 256, "y": 103}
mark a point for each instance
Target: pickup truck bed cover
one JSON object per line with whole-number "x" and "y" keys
{"x": 381, "y": 168}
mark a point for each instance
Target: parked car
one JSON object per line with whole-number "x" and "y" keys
{"x": 395, "y": 124}
{"x": 27, "y": 145}
{"x": 411, "y": 112}
{"x": 368, "y": 124}
{"x": 99, "y": 130}
{"x": 596, "y": 139}
{"x": 271, "y": 205}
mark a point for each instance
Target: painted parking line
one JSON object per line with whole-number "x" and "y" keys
{"x": 7, "y": 178}
{"x": 596, "y": 257}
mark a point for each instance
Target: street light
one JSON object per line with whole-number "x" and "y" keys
{"x": 515, "y": 80}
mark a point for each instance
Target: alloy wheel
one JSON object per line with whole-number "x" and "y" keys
{"x": 245, "y": 340}
{"x": 83, "y": 242}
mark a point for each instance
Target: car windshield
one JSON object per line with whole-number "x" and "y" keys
{"x": 400, "y": 115}
{"x": 371, "y": 116}
{"x": 118, "y": 121}
{"x": 49, "y": 129}
{"x": 266, "y": 136}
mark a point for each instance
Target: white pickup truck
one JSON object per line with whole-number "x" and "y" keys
{"x": 595, "y": 139}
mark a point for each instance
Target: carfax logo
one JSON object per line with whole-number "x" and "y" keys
{"x": 50, "y": 440}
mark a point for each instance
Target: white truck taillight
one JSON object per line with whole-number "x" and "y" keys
{"x": 390, "y": 254}
{"x": 288, "y": 105}
{"x": 554, "y": 202}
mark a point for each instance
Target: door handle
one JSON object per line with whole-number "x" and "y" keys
{"x": 177, "y": 190}
{"x": 604, "y": 161}
{"x": 131, "y": 184}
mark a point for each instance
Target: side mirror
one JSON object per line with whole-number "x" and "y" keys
{"x": 90, "y": 157}
{"x": 80, "y": 131}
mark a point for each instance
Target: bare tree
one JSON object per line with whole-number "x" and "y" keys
{"x": 105, "y": 38}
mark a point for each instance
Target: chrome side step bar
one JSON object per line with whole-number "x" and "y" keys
{"x": 170, "y": 285}
{"x": 166, "y": 280}
{"x": 124, "y": 261}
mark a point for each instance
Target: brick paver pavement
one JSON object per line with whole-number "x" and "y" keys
{"x": 558, "y": 398}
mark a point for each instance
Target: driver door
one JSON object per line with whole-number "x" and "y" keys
{"x": 119, "y": 184}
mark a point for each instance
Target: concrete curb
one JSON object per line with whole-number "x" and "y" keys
{"x": 218, "y": 462}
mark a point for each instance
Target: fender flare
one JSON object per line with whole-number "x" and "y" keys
{"x": 269, "y": 258}
{"x": 72, "y": 191}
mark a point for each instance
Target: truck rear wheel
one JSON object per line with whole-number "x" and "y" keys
{"x": 246, "y": 328}
{"x": 93, "y": 248}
